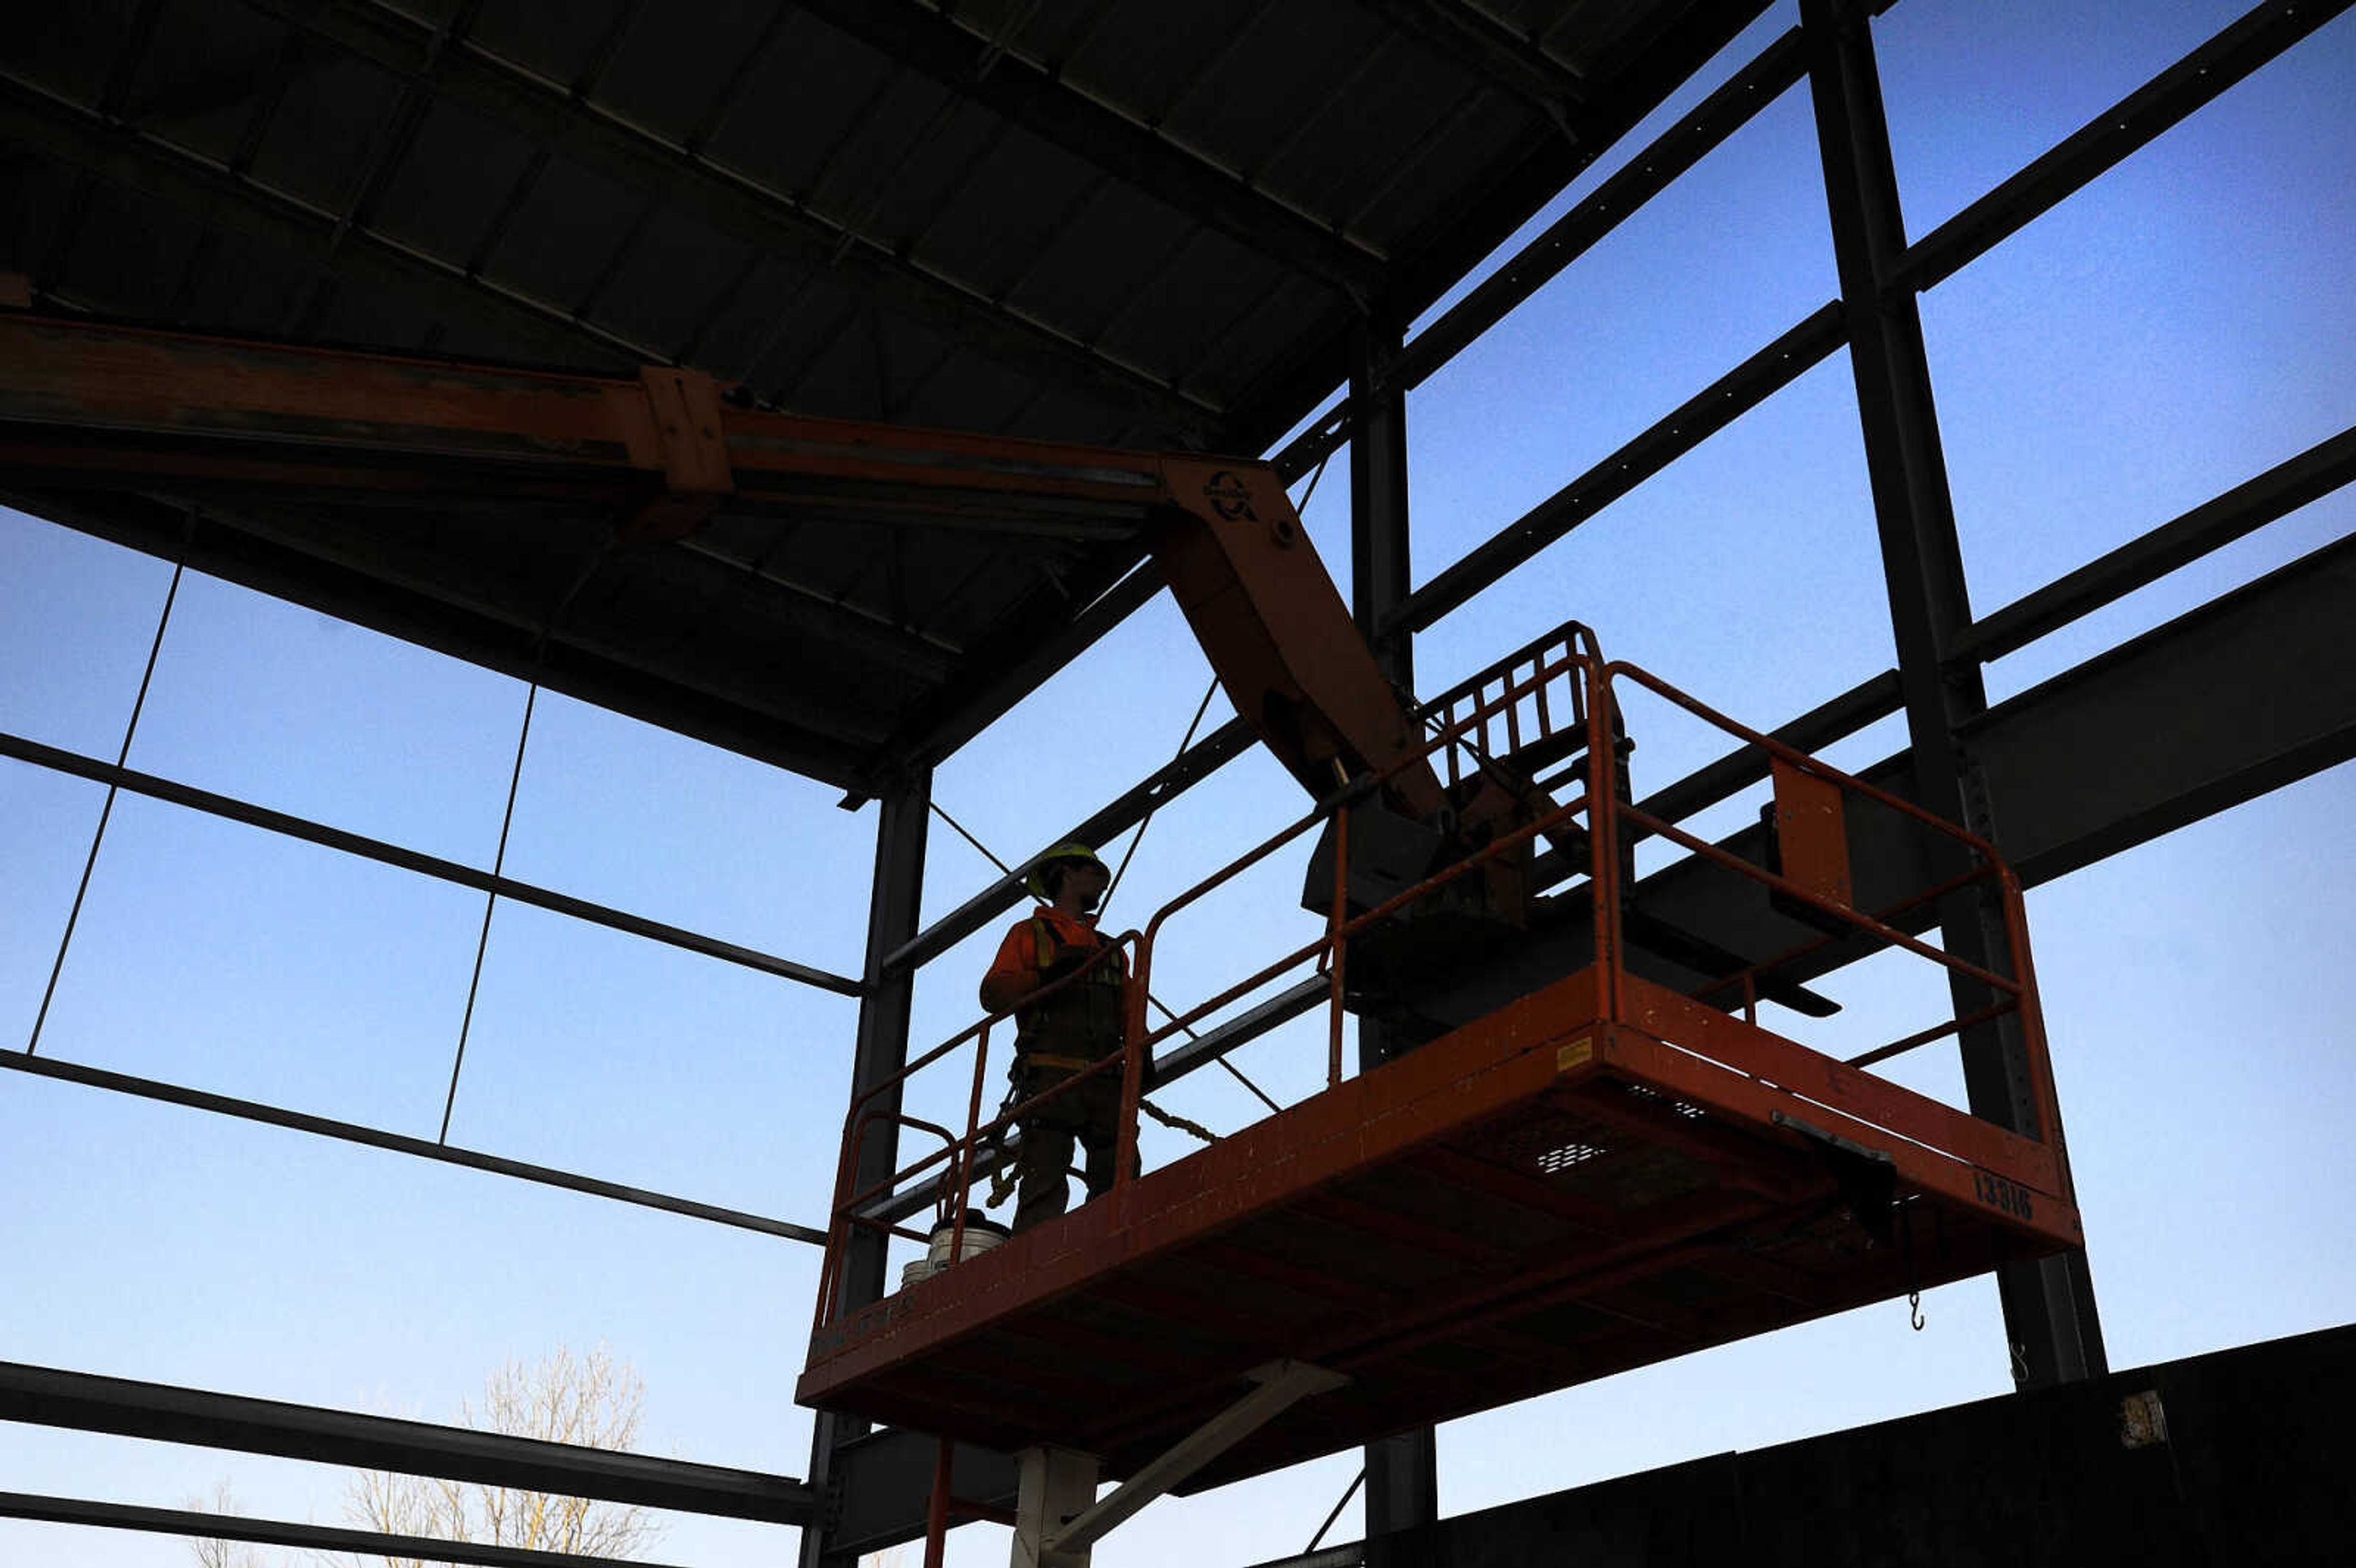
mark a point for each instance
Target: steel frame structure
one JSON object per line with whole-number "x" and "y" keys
{"x": 864, "y": 1492}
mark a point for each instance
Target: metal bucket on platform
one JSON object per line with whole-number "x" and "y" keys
{"x": 981, "y": 1234}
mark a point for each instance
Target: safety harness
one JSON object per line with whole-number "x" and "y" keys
{"x": 1080, "y": 1024}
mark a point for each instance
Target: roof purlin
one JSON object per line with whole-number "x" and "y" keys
{"x": 732, "y": 203}
{"x": 214, "y": 196}
{"x": 1059, "y": 113}
{"x": 1456, "y": 242}
{"x": 1484, "y": 46}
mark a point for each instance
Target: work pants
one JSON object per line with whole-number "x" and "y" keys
{"x": 1088, "y": 1116}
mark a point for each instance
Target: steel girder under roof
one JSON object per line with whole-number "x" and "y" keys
{"x": 1113, "y": 221}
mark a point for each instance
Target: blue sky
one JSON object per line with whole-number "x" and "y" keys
{"x": 2173, "y": 330}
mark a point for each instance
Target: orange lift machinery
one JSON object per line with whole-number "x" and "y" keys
{"x": 1595, "y": 1156}
{"x": 1593, "y": 1159}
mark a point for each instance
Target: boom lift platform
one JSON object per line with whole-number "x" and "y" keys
{"x": 1597, "y": 1159}
{"x": 1595, "y": 1156}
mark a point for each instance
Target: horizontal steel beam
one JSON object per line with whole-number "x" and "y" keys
{"x": 2237, "y": 1456}
{"x": 2233, "y": 54}
{"x": 1836, "y": 720}
{"x": 2248, "y": 507}
{"x": 504, "y": 640}
{"x": 1198, "y": 762}
{"x": 1351, "y": 1556}
{"x": 994, "y": 692}
{"x": 2252, "y": 692}
{"x": 2280, "y": 490}
{"x": 39, "y": 755}
{"x": 1455, "y": 239}
{"x": 44, "y": 1396}
{"x": 1711, "y": 409}
{"x": 1198, "y": 1051}
{"x": 1001, "y": 80}
{"x": 1491, "y": 51}
{"x": 2259, "y": 36}
{"x": 1643, "y": 176}
{"x": 316, "y": 1538}
{"x": 1202, "y": 1049}
{"x": 1652, "y": 170}
{"x": 774, "y": 221}
{"x": 398, "y": 1143}
{"x": 885, "y": 1478}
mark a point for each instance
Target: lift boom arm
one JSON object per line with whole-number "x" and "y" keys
{"x": 1268, "y": 615}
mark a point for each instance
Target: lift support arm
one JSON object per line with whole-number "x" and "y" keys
{"x": 1040, "y": 1542}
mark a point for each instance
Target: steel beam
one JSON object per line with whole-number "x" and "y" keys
{"x": 1380, "y": 574}
{"x": 1352, "y": 1555}
{"x": 1190, "y": 767}
{"x": 881, "y": 1481}
{"x": 2280, "y": 490}
{"x": 1711, "y": 409}
{"x": 502, "y": 641}
{"x": 1402, "y": 1499}
{"x": 2103, "y": 142}
{"x": 2238, "y": 1456}
{"x": 1402, "y": 1472}
{"x": 1486, "y": 47}
{"x": 313, "y": 1538}
{"x": 229, "y": 808}
{"x": 2248, "y": 507}
{"x": 235, "y": 427}
{"x": 2252, "y": 692}
{"x": 1167, "y": 1068}
{"x": 772, "y": 221}
{"x": 124, "y": 156}
{"x": 1639, "y": 81}
{"x": 988, "y": 698}
{"x": 896, "y": 898}
{"x": 1645, "y": 175}
{"x": 1004, "y": 81}
{"x": 1457, "y": 236}
{"x": 2048, "y": 1307}
{"x": 44, "y": 1396}
{"x": 1283, "y": 1385}
{"x": 398, "y": 1142}
{"x": 882, "y": 1047}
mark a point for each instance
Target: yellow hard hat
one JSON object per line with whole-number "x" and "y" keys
{"x": 1037, "y": 879}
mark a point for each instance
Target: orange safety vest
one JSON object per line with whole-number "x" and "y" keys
{"x": 1084, "y": 1022}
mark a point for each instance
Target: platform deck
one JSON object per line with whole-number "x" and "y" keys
{"x": 1532, "y": 1202}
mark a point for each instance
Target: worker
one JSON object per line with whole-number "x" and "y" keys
{"x": 1062, "y": 1034}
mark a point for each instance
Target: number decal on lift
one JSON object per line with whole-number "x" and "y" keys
{"x": 2009, "y": 1196}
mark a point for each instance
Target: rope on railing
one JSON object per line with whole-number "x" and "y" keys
{"x": 1171, "y": 1119}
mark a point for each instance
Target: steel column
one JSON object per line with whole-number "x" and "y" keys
{"x": 1402, "y": 1472}
{"x": 1379, "y": 523}
{"x": 894, "y": 902}
{"x": 2049, "y": 1308}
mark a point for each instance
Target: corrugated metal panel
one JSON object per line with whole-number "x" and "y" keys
{"x": 1135, "y": 221}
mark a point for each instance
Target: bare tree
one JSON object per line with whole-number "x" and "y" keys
{"x": 213, "y": 1553}
{"x": 593, "y": 1400}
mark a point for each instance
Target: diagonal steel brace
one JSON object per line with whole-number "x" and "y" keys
{"x": 1282, "y": 1384}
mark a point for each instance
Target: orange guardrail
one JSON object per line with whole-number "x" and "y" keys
{"x": 1513, "y": 698}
